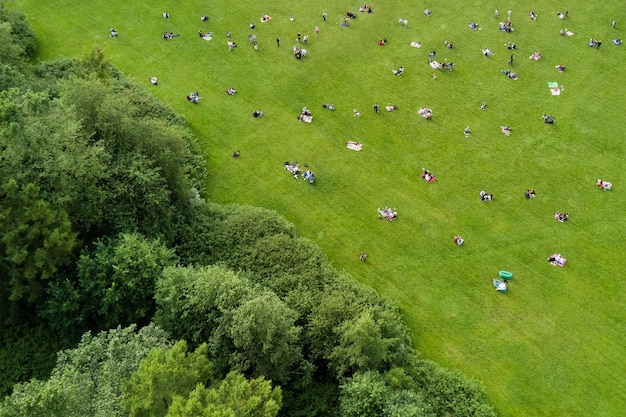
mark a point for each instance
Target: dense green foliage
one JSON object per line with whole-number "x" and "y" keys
{"x": 100, "y": 199}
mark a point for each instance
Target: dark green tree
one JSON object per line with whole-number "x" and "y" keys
{"x": 266, "y": 339}
{"x": 116, "y": 281}
{"x": 369, "y": 394}
{"x": 35, "y": 240}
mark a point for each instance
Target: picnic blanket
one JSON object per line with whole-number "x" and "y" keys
{"x": 553, "y": 85}
{"x": 355, "y": 146}
{"x": 207, "y": 37}
{"x": 555, "y": 91}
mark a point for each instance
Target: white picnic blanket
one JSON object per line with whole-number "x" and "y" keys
{"x": 355, "y": 146}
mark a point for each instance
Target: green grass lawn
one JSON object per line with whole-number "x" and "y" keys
{"x": 554, "y": 344}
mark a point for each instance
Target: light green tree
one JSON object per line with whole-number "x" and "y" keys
{"x": 87, "y": 380}
{"x": 235, "y": 396}
{"x": 163, "y": 374}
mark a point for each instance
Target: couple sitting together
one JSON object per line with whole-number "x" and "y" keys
{"x": 427, "y": 175}
{"x": 562, "y": 217}
{"x": 387, "y": 214}
{"x": 485, "y": 197}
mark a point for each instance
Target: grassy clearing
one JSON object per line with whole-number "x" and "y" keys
{"x": 554, "y": 344}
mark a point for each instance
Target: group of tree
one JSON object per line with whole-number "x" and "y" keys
{"x": 158, "y": 302}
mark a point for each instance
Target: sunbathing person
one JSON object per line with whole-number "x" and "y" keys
{"x": 617, "y": 41}
{"x": 511, "y": 74}
{"x": 472, "y": 25}
{"x": 549, "y": 119}
{"x": 557, "y": 260}
{"x": 355, "y": 146}
{"x": 328, "y": 106}
{"x": 230, "y": 91}
{"x": 506, "y": 130}
{"x": 257, "y": 113}
{"x": 487, "y": 52}
{"x": 528, "y": 194}
{"x": 391, "y": 108}
{"x": 536, "y": 56}
{"x": 113, "y": 33}
{"x": 399, "y": 71}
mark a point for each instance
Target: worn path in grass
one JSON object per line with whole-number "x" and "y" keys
{"x": 554, "y": 344}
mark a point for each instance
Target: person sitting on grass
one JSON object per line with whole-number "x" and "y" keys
{"x": 506, "y": 130}
{"x": 487, "y": 52}
{"x": 536, "y": 56}
{"x": 427, "y": 175}
{"x": 113, "y": 33}
{"x": 459, "y": 240}
{"x": 606, "y": 186}
{"x": 562, "y": 217}
{"x": 309, "y": 175}
{"x": 560, "y": 68}
{"x": 547, "y": 118}
{"x": 231, "y": 91}
{"x": 485, "y": 197}
{"x": 328, "y": 106}
{"x": 472, "y": 25}
{"x": 528, "y": 194}
{"x": 257, "y": 113}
